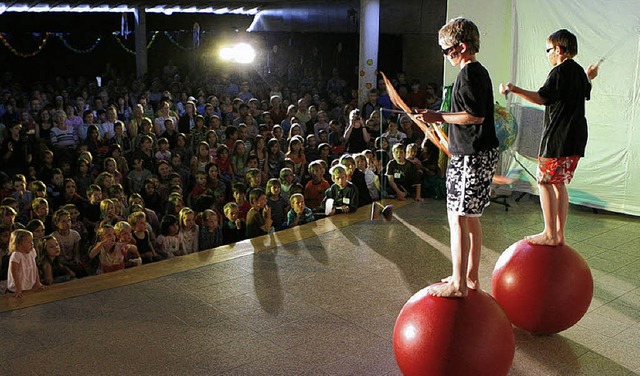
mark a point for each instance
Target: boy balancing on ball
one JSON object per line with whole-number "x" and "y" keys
{"x": 564, "y": 136}
{"x": 474, "y": 148}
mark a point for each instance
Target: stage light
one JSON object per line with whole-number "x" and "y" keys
{"x": 241, "y": 53}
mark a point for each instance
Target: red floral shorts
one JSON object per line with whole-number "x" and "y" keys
{"x": 556, "y": 170}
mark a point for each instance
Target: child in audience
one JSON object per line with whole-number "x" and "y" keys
{"x": 168, "y": 243}
{"x": 239, "y": 160}
{"x": 40, "y": 210}
{"x": 239, "y": 191}
{"x": 22, "y": 195}
{"x": 315, "y": 188}
{"x": 278, "y": 204}
{"x": 296, "y": 154}
{"x": 210, "y": 232}
{"x": 76, "y": 223}
{"x": 342, "y": 194}
{"x": 70, "y": 243}
{"x": 299, "y": 214}
{"x": 36, "y": 227}
{"x": 223, "y": 161}
{"x": 51, "y": 267}
{"x": 91, "y": 215}
{"x": 259, "y": 218}
{"x": 356, "y": 177}
{"x": 200, "y": 188}
{"x": 112, "y": 254}
{"x": 287, "y": 179}
{"x": 403, "y": 176}
{"x": 201, "y": 159}
{"x": 233, "y": 229}
{"x": 23, "y": 272}
{"x": 142, "y": 237}
{"x": 370, "y": 178}
{"x": 254, "y": 179}
{"x": 275, "y": 158}
{"x": 124, "y": 234}
{"x": 163, "y": 153}
{"x": 189, "y": 231}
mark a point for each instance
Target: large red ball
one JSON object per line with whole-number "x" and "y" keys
{"x": 441, "y": 336}
{"x": 543, "y": 289}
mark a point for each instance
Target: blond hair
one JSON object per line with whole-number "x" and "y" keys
{"x": 16, "y": 237}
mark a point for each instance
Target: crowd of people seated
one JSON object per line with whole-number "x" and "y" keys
{"x": 98, "y": 179}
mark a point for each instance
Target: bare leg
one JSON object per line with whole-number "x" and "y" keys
{"x": 563, "y": 207}
{"x": 473, "y": 266}
{"x": 475, "y": 233}
{"x": 456, "y": 287}
{"x": 549, "y": 204}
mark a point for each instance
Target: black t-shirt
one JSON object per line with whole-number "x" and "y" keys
{"x": 473, "y": 93}
{"x": 356, "y": 142}
{"x": 404, "y": 175}
{"x": 565, "y": 126}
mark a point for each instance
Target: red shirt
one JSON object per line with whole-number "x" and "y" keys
{"x": 314, "y": 193}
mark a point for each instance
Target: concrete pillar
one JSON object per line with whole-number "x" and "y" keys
{"x": 141, "y": 41}
{"x": 369, "y": 38}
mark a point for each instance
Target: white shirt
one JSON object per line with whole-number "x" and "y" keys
{"x": 28, "y": 268}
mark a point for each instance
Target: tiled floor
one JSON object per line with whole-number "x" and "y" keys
{"x": 322, "y": 305}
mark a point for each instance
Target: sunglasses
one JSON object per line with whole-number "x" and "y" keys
{"x": 447, "y": 51}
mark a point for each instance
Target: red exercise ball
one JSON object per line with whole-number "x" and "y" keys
{"x": 543, "y": 289}
{"x": 441, "y": 336}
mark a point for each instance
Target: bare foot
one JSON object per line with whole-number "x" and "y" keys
{"x": 447, "y": 290}
{"x": 542, "y": 239}
{"x": 473, "y": 284}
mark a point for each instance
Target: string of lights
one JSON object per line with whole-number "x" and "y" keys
{"x": 25, "y": 54}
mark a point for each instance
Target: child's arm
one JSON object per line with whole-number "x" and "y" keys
{"x": 48, "y": 273}
{"x": 196, "y": 241}
{"x": 268, "y": 222}
{"x": 16, "y": 270}
{"x": 399, "y": 194}
{"x": 76, "y": 250}
{"x": 531, "y": 96}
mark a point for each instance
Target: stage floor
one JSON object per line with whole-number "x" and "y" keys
{"x": 321, "y": 299}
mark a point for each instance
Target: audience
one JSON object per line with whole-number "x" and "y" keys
{"x": 229, "y": 160}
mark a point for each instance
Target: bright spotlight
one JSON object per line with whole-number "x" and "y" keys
{"x": 241, "y": 53}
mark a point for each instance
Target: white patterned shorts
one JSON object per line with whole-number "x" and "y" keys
{"x": 469, "y": 182}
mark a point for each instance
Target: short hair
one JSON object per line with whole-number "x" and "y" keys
{"x": 413, "y": 147}
{"x": 239, "y": 188}
{"x": 93, "y": 188}
{"x": 285, "y": 171}
{"x": 38, "y": 185}
{"x": 228, "y": 206}
{"x": 347, "y": 158}
{"x": 251, "y": 173}
{"x": 397, "y": 146}
{"x": 7, "y": 210}
{"x": 39, "y": 202}
{"x": 33, "y": 224}
{"x": 461, "y": 30}
{"x": 295, "y": 196}
{"x": 19, "y": 178}
{"x": 255, "y": 194}
{"x": 566, "y": 40}
{"x": 337, "y": 170}
{"x": 315, "y": 165}
{"x": 163, "y": 141}
{"x": 135, "y": 216}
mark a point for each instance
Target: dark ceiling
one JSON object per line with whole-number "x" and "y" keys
{"x": 26, "y": 21}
